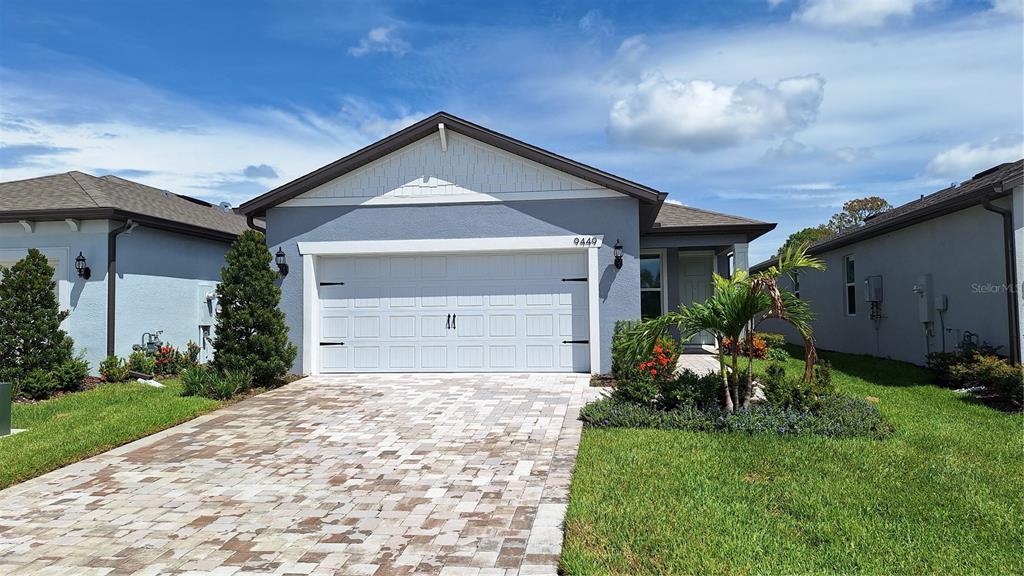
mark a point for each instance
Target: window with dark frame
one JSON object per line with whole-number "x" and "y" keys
{"x": 650, "y": 285}
{"x": 796, "y": 284}
{"x": 851, "y": 285}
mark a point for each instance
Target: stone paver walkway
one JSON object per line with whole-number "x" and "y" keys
{"x": 362, "y": 474}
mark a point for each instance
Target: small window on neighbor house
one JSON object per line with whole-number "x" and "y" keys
{"x": 650, "y": 285}
{"x": 851, "y": 286}
{"x": 796, "y": 284}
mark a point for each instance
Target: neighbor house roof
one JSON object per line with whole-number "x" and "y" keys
{"x": 82, "y": 196}
{"x": 650, "y": 199}
{"x": 674, "y": 218}
{"x": 996, "y": 181}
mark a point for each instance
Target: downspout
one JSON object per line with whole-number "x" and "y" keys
{"x": 112, "y": 280}
{"x": 252, "y": 224}
{"x": 1009, "y": 253}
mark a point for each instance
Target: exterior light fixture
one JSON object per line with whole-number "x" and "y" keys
{"x": 83, "y": 270}
{"x": 282, "y": 266}
{"x": 618, "y": 254}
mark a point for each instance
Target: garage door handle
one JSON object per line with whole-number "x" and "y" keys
{"x": 332, "y": 283}
{"x": 575, "y": 341}
{"x": 332, "y": 343}
{"x": 574, "y": 279}
{"x": 448, "y": 323}
{"x": 453, "y": 321}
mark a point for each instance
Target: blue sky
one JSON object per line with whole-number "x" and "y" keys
{"x": 773, "y": 109}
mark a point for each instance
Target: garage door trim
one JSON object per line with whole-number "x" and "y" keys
{"x": 312, "y": 251}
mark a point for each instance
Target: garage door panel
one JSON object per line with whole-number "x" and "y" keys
{"x": 481, "y": 312}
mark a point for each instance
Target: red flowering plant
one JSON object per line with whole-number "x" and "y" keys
{"x": 167, "y": 360}
{"x": 654, "y": 370}
{"x": 759, "y": 346}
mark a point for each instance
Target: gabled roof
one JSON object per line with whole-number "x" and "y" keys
{"x": 996, "y": 181}
{"x": 83, "y": 196}
{"x": 650, "y": 199}
{"x": 679, "y": 219}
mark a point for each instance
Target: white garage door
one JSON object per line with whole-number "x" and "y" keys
{"x": 454, "y": 313}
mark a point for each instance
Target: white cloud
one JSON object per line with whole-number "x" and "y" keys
{"x": 380, "y": 40}
{"x": 855, "y": 13}
{"x": 632, "y": 48}
{"x": 1008, "y": 7}
{"x": 700, "y": 115}
{"x": 170, "y": 142}
{"x": 595, "y": 23}
{"x": 963, "y": 161}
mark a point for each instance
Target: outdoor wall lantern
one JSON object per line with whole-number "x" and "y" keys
{"x": 83, "y": 271}
{"x": 618, "y": 255}
{"x": 282, "y": 266}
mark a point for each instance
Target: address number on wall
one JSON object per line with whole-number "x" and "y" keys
{"x": 586, "y": 241}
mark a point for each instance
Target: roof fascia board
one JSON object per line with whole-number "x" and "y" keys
{"x": 58, "y": 214}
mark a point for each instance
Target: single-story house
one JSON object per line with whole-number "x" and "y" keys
{"x": 450, "y": 247}
{"x": 925, "y": 276}
{"x": 129, "y": 259}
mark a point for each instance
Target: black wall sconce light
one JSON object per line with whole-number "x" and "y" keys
{"x": 282, "y": 266}
{"x": 84, "y": 271}
{"x": 618, "y": 254}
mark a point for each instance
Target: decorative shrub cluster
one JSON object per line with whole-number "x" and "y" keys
{"x": 835, "y": 416}
{"x": 35, "y": 353}
{"x": 649, "y": 375}
{"x": 980, "y": 366}
{"x": 772, "y": 340}
{"x": 166, "y": 361}
{"x": 791, "y": 392}
{"x": 206, "y": 381}
{"x": 757, "y": 344}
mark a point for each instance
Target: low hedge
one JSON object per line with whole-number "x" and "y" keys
{"x": 836, "y": 416}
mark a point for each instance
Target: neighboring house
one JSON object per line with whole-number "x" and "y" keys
{"x": 925, "y": 276}
{"x": 153, "y": 257}
{"x": 450, "y": 247}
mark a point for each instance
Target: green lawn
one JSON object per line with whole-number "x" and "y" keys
{"x": 944, "y": 496}
{"x": 74, "y": 426}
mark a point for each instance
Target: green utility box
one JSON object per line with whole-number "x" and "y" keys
{"x": 5, "y": 408}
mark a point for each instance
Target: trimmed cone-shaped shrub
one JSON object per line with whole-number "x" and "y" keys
{"x": 30, "y": 316}
{"x": 251, "y": 333}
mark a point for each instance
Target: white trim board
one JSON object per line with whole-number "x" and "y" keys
{"x": 312, "y": 251}
{"x": 449, "y": 245}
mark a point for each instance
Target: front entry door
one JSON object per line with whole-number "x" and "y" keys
{"x": 695, "y": 285}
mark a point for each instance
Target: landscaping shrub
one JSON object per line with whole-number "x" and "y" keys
{"x": 758, "y": 345}
{"x": 70, "y": 374}
{"x": 777, "y": 354}
{"x": 36, "y": 385}
{"x": 791, "y": 392}
{"x": 168, "y": 360}
{"x": 30, "y": 334}
{"x": 834, "y": 416}
{"x": 623, "y": 359}
{"x": 941, "y": 363}
{"x": 191, "y": 355}
{"x": 644, "y": 383}
{"x": 773, "y": 341}
{"x": 994, "y": 373}
{"x": 205, "y": 381}
{"x": 139, "y": 361}
{"x": 114, "y": 369}
{"x": 691, "y": 389}
{"x": 251, "y": 332}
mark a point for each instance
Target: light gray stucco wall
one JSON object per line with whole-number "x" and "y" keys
{"x": 163, "y": 279}
{"x": 962, "y": 251}
{"x": 615, "y": 218}
{"x": 1018, "y": 239}
{"x": 87, "y": 299}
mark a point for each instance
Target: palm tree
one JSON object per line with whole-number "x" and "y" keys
{"x": 739, "y": 304}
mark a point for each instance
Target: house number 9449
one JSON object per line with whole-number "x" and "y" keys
{"x": 585, "y": 241}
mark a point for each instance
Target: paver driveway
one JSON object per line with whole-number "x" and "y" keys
{"x": 367, "y": 474}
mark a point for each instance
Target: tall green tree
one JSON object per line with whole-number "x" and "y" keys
{"x": 30, "y": 334}
{"x": 805, "y": 237}
{"x": 251, "y": 333}
{"x": 855, "y": 212}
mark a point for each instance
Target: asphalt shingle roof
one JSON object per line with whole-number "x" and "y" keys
{"x": 80, "y": 191}
{"x": 674, "y": 215}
